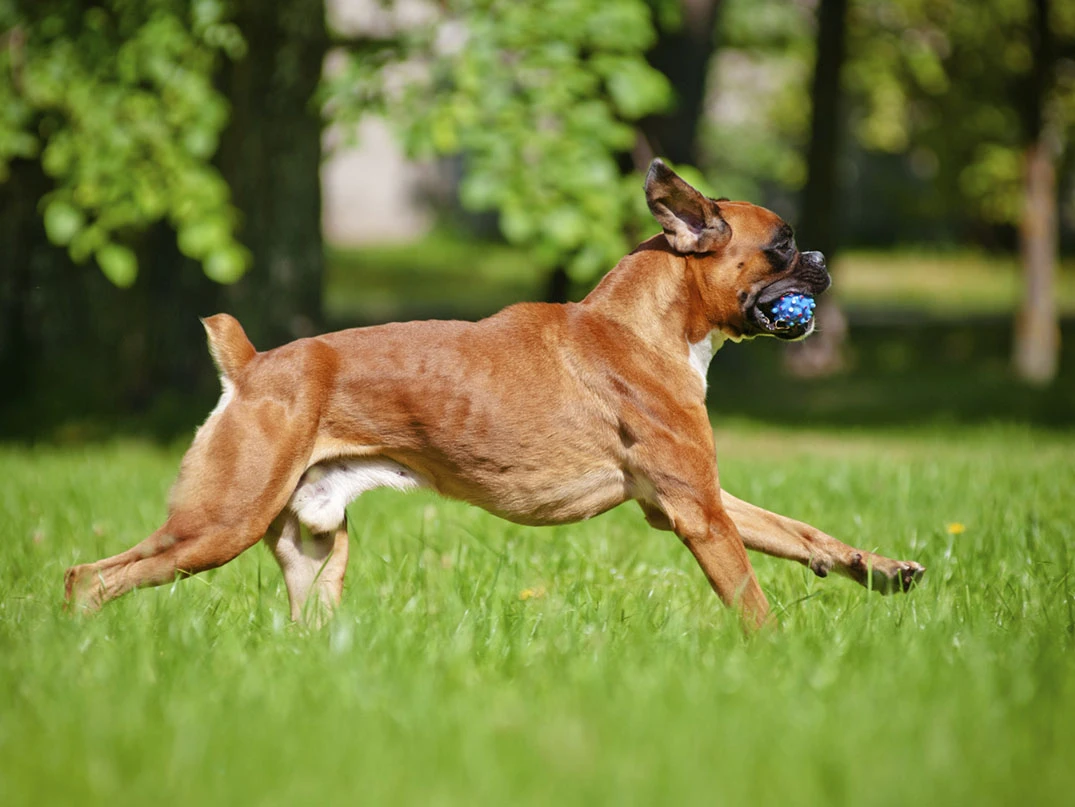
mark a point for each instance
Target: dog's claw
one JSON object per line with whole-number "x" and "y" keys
{"x": 910, "y": 574}
{"x": 884, "y": 575}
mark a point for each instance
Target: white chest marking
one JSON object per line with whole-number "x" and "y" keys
{"x": 328, "y": 487}
{"x": 702, "y": 352}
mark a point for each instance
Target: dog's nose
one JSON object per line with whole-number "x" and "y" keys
{"x": 814, "y": 264}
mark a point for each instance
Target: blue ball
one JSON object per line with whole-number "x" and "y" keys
{"x": 793, "y": 309}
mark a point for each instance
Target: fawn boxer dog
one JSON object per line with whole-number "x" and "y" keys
{"x": 540, "y": 414}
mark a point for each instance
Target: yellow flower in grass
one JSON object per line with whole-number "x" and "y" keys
{"x": 955, "y": 528}
{"x": 532, "y": 593}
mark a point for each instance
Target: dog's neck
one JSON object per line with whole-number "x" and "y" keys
{"x": 661, "y": 296}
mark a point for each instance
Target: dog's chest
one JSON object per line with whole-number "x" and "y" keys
{"x": 702, "y": 352}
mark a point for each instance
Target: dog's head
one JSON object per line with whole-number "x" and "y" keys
{"x": 748, "y": 257}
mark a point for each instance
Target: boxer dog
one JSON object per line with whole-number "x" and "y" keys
{"x": 540, "y": 414}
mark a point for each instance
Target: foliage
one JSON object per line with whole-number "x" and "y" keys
{"x": 117, "y": 101}
{"x": 757, "y": 134}
{"x": 479, "y": 662}
{"x": 539, "y": 99}
{"x": 949, "y": 82}
{"x": 942, "y": 83}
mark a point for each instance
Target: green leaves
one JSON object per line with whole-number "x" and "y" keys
{"x": 118, "y": 263}
{"x": 539, "y": 99}
{"x": 119, "y": 101}
{"x": 62, "y": 222}
{"x": 951, "y": 83}
{"x": 636, "y": 89}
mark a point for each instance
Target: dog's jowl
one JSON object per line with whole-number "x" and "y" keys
{"x": 540, "y": 414}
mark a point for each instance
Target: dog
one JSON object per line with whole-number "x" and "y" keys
{"x": 541, "y": 414}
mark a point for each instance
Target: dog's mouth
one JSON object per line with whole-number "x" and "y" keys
{"x": 773, "y": 323}
{"x": 768, "y": 318}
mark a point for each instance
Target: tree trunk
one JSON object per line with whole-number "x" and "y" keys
{"x": 557, "y": 286}
{"x": 1036, "y": 347}
{"x": 270, "y": 155}
{"x": 823, "y": 353}
{"x": 24, "y": 247}
{"x": 161, "y": 346}
{"x": 683, "y": 56}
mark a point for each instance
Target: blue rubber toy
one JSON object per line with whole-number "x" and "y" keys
{"x": 793, "y": 309}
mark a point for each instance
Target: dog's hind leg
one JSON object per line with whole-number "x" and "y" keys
{"x": 786, "y": 538}
{"x": 231, "y": 483}
{"x": 170, "y": 552}
{"x": 312, "y": 564}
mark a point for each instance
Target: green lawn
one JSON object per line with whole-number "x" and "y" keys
{"x": 478, "y": 662}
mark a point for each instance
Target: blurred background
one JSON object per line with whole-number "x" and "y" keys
{"x": 310, "y": 164}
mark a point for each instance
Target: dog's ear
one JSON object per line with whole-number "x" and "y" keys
{"x": 691, "y": 221}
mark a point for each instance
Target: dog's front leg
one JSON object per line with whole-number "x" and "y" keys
{"x": 689, "y": 504}
{"x": 674, "y": 476}
{"x": 787, "y": 538}
{"x": 712, "y": 537}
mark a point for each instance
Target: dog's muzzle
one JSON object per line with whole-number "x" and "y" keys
{"x": 809, "y": 276}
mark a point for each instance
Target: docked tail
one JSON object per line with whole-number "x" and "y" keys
{"x": 228, "y": 345}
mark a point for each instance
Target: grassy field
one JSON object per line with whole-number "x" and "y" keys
{"x": 477, "y": 662}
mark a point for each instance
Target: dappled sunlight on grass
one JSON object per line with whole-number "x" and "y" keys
{"x": 955, "y": 284}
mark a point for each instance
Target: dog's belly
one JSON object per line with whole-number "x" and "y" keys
{"x": 540, "y": 499}
{"x": 535, "y": 499}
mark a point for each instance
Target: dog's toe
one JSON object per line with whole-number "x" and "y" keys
{"x": 897, "y": 576}
{"x": 910, "y": 574}
{"x": 884, "y": 575}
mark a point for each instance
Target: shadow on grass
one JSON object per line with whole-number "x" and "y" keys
{"x": 905, "y": 369}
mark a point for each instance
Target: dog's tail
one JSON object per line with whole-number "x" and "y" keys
{"x": 228, "y": 345}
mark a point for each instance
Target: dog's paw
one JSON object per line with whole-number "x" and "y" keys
{"x": 81, "y": 589}
{"x": 884, "y": 574}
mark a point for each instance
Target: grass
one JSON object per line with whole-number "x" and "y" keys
{"x": 478, "y": 662}
{"x": 948, "y": 284}
{"x": 445, "y": 275}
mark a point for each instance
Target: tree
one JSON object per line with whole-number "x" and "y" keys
{"x": 270, "y": 156}
{"x": 976, "y": 89}
{"x": 174, "y": 144}
{"x": 819, "y": 209}
{"x": 752, "y": 141}
{"x": 541, "y": 101}
{"x": 1036, "y": 345}
{"x": 686, "y": 41}
{"x": 116, "y": 100}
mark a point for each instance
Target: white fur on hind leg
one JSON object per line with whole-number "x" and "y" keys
{"x": 326, "y": 489}
{"x": 312, "y": 565}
